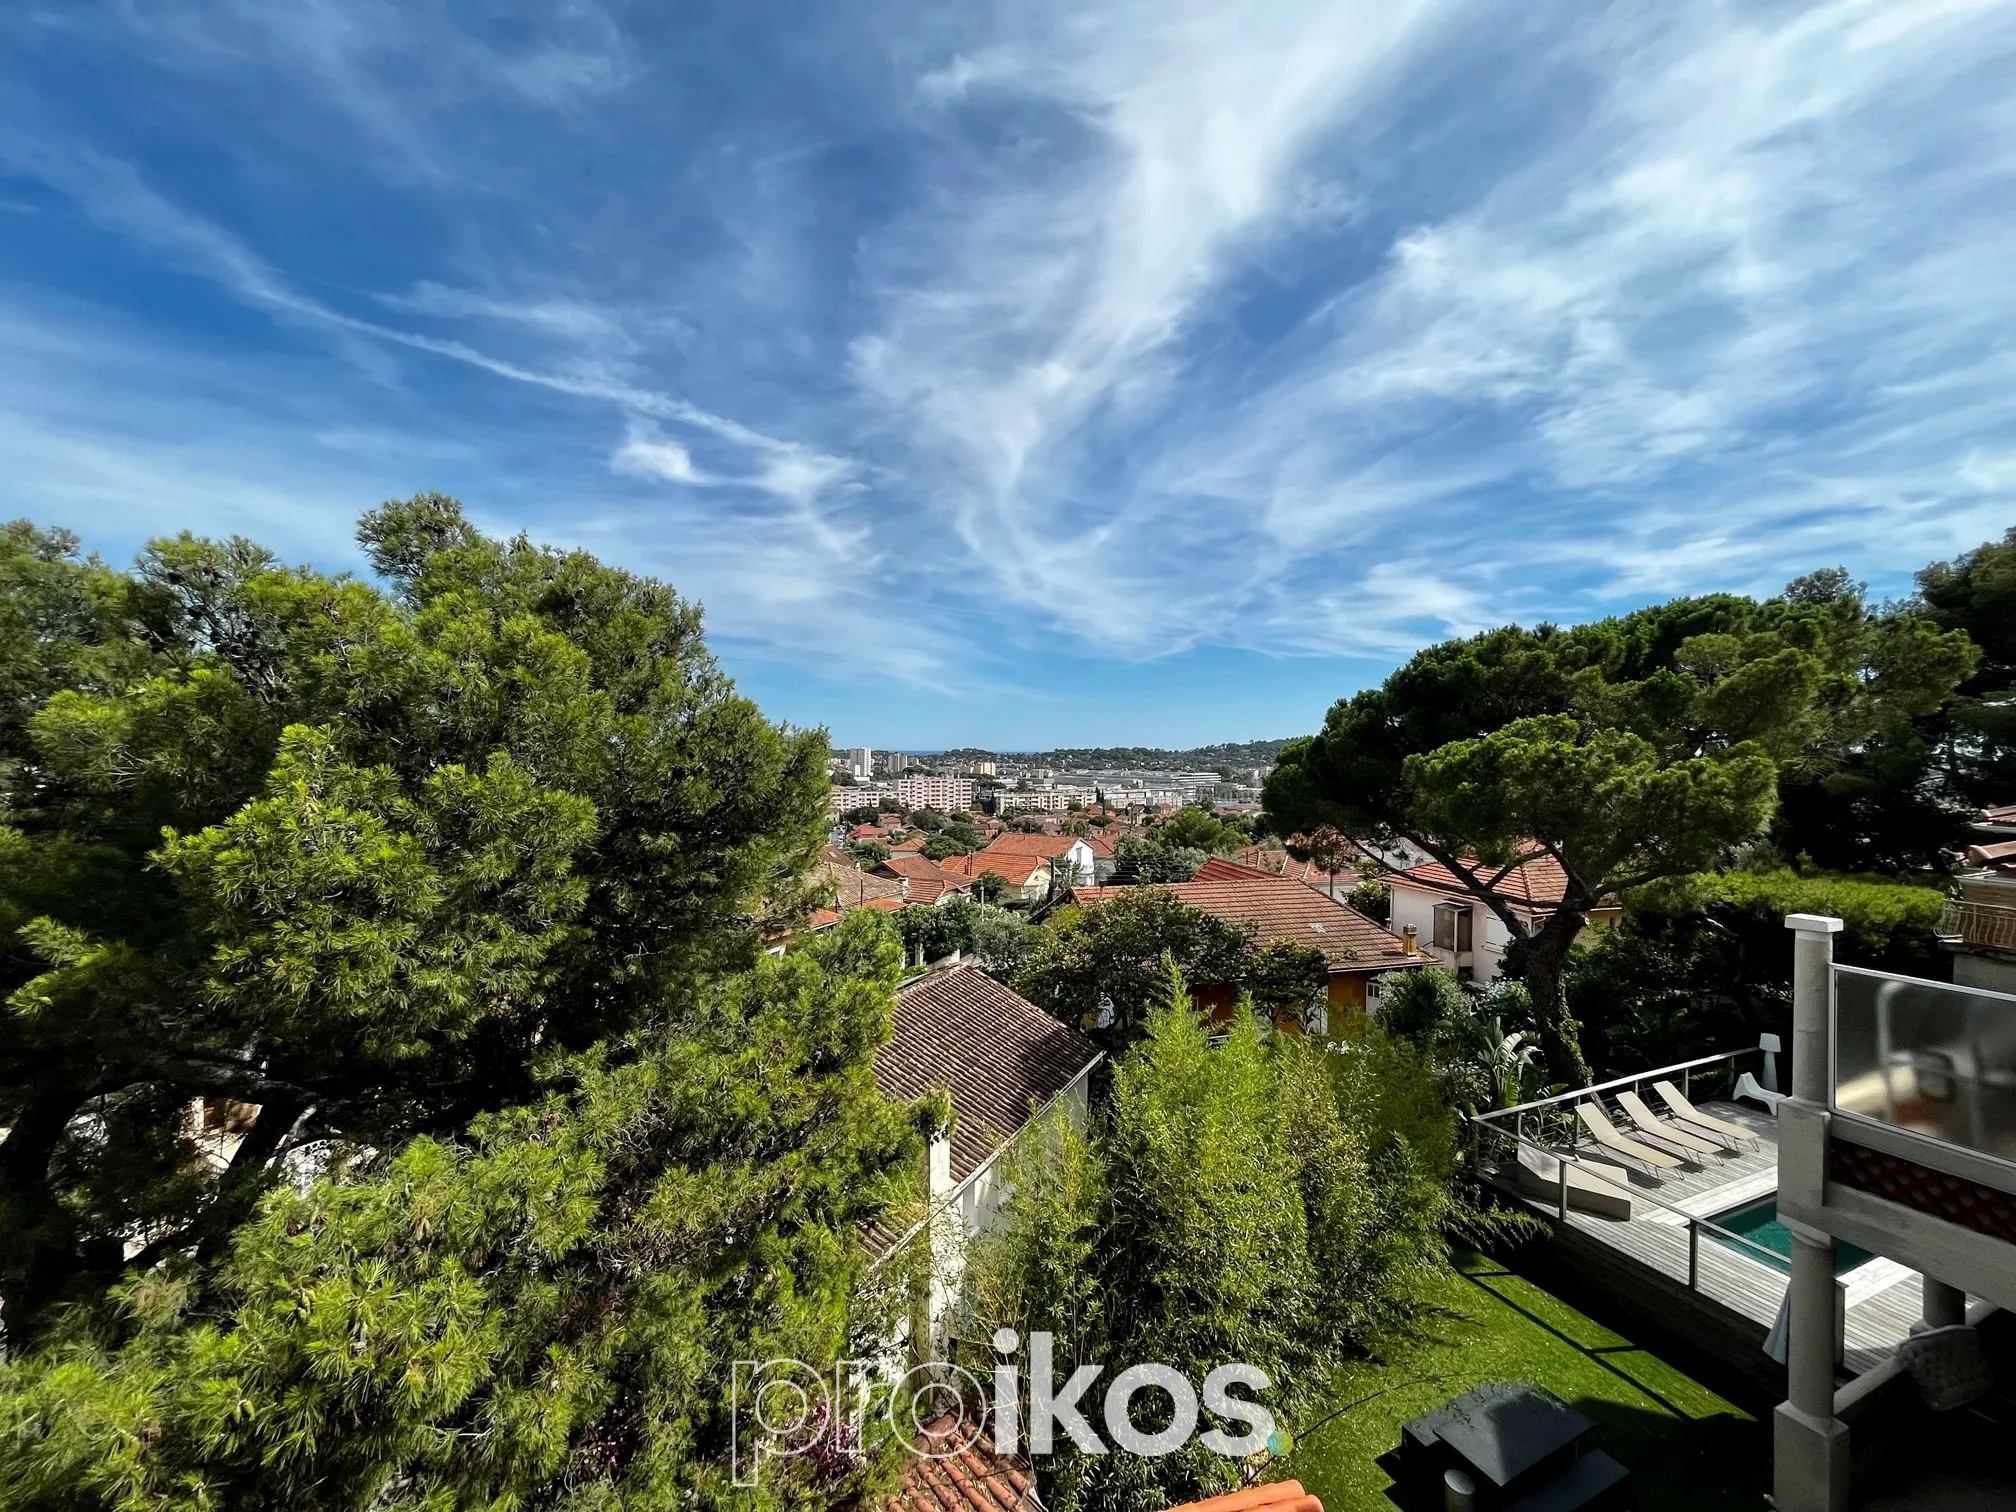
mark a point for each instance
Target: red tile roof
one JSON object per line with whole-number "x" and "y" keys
{"x": 1277, "y": 1496}
{"x": 1031, "y": 845}
{"x": 916, "y": 867}
{"x": 1998, "y": 857}
{"x": 1535, "y": 886}
{"x": 1218, "y": 869}
{"x": 1013, "y": 869}
{"x": 1277, "y": 908}
{"x": 946, "y": 1474}
{"x": 996, "y": 1052}
{"x": 850, "y": 885}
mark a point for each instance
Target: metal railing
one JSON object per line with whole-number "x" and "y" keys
{"x": 1565, "y": 1160}
{"x": 1991, "y": 925}
{"x": 1563, "y": 1102}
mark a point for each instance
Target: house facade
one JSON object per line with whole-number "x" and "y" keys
{"x": 1979, "y": 923}
{"x": 1358, "y": 954}
{"x": 1070, "y": 857}
{"x": 1028, "y": 877}
{"x": 1005, "y": 1063}
{"x": 1463, "y": 933}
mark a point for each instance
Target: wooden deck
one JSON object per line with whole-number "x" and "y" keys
{"x": 1643, "y": 1262}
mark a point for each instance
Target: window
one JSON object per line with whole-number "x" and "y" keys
{"x": 1452, "y": 927}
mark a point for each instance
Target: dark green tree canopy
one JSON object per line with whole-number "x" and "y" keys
{"x": 1623, "y": 751}
{"x": 1976, "y": 594}
{"x": 360, "y": 860}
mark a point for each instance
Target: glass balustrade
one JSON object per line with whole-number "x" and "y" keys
{"x": 1932, "y": 1058}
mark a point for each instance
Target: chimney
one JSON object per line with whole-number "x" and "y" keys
{"x": 943, "y": 1237}
{"x": 938, "y": 1168}
{"x": 1410, "y": 937}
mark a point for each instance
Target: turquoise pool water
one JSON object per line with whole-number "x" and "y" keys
{"x": 1758, "y": 1222}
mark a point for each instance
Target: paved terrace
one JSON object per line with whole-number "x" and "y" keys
{"x": 1643, "y": 1261}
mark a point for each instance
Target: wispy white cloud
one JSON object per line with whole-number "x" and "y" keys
{"x": 1725, "y": 320}
{"x": 1026, "y": 337}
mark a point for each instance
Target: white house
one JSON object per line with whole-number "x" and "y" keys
{"x": 1004, "y": 1061}
{"x": 1459, "y": 929}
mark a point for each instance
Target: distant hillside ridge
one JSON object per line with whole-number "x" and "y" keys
{"x": 1239, "y": 753}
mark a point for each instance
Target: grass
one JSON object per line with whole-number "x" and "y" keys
{"x": 1686, "y": 1447}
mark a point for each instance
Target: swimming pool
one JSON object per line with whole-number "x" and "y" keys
{"x": 1758, "y": 1222}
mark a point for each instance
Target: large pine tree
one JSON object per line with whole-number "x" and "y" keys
{"x": 450, "y": 889}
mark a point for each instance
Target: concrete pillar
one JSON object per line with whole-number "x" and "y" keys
{"x": 1812, "y": 1002}
{"x": 1945, "y": 1306}
{"x": 1810, "y": 1472}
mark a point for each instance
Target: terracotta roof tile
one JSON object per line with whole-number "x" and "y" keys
{"x": 1534, "y": 886}
{"x": 996, "y": 1052}
{"x": 1281, "y": 909}
{"x": 1276, "y": 1496}
{"x": 928, "y": 879}
{"x": 851, "y": 885}
{"x": 1030, "y": 845}
{"x": 949, "y": 1475}
{"x": 1998, "y": 857}
{"x": 1278, "y": 908}
{"x": 1012, "y": 869}
{"x": 1218, "y": 869}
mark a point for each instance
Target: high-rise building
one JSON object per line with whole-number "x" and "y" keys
{"x": 861, "y": 762}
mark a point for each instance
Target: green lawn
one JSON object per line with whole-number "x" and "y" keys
{"x": 1686, "y": 1447}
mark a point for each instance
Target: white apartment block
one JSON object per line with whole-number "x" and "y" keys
{"x": 874, "y": 795}
{"x": 942, "y": 793}
{"x": 861, "y": 762}
{"x": 1047, "y": 800}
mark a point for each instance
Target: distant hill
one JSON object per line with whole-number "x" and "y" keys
{"x": 1239, "y": 753}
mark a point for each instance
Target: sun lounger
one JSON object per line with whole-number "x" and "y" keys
{"x": 1597, "y": 1122}
{"x": 1539, "y": 1177}
{"x": 1653, "y": 1126}
{"x": 1684, "y": 1110}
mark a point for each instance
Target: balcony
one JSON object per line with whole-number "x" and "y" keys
{"x": 1987, "y": 926}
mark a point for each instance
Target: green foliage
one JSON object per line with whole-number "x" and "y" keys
{"x": 543, "y": 1315}
{"x": 1194, "y": 828}
{"x": 1632, "y": 749}
{"x": 1372, "y": 898}
{"x": 1699, "y": 963}
{"x": 362, "y": 860}
{"x": 1976, "y": 594}
{"x": 1479, "y": 1046}
{"x": 996, "y": 937}
{"x": 1880, "y": 917}
{"x": 872, "y": 852}
{"x": 1420, "y": 1006}
{"x": 1141, "y": 858}
{"x": 1237, "y": 1203}
{"x": 1100, "y": 967}
{"x": 991, "y": 887}
{"x": 946, "y": 843}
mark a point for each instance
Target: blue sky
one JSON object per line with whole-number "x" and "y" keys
{"x": 1032, "y": 374}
